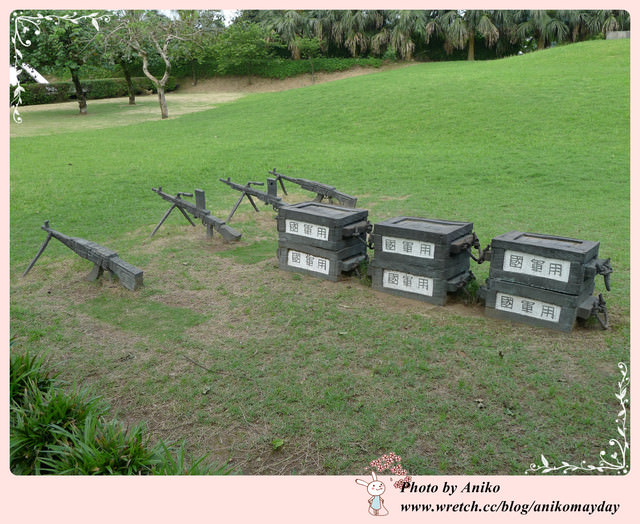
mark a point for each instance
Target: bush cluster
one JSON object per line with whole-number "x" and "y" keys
{"x": 274, "y": 67}
{"x": 282, "y": 68}
{"x": 100, "y": 88}
{"x": 58, "y": 430}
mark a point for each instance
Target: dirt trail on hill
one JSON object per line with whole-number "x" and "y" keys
{"x": 243, "y": 84}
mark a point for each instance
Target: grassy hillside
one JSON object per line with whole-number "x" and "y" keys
{"x": 340, "y": 373}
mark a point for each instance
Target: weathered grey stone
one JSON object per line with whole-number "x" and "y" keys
{"x": 320, "y": 239}
{"x": 322, "y": 191}
{"x": 427, "y": 286}
{"x": 102, "y": 257}
{"x": 534, "y": 306}
{"x": 556, "y": 263}
{"x": 198, "y": 210}
{"x": 421, "y": 258}
{"x": 615, "y": 35}
{"x": 317, "y": 262}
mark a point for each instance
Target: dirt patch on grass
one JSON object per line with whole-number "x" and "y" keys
{"x": 188, "y": 98}
{"x": 244, "y": 84}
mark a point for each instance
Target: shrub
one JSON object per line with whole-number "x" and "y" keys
{"x": 54, "y": 430}
{"x": 26, "y": 373}
{"x": 100, "y": 448}
{"x": 36, "y": 425}
{"x": 95, "y": 89}
{"x": 108, "y": 448}
{"x": 275, "y": 67}
{"x": 283, "y": 68}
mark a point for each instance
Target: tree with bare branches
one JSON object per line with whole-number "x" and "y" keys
{"x": 149, "y": 33}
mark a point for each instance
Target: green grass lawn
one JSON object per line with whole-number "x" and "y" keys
{"x": 224, "y": 349}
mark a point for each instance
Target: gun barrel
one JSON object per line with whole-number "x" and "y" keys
{"x": 275, "y": 201}
{"x": 284, "y": 177}
{"x": 235, "y": 186}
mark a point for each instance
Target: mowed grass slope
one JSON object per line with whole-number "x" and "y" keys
{"x": 224, "y": 349}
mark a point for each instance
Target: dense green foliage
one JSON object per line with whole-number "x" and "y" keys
{"x": 339, "y": 373}
{"x": 409, "y": 33}
{"x": 199, "y": 38}
{"x": 94, "y": 89}
{"x": 282, "y": 67}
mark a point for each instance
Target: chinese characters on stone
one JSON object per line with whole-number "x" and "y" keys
{"x": 407, "y": 282}
{"x": 536, "y": 265}
{"x": 408, "y": 247}
{"x": 528, "y": 307}
{"x": 308, "y": 262}
{"x": 307, "y": 230}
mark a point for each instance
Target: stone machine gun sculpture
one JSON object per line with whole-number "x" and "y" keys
{"x": 103, "y": 259}
{"x": 270, "y": 197}
{"x": 322, "y": 191}
{"x": 198, "y": 210}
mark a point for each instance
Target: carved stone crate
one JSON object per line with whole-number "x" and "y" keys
{"x": 420, "y": 283}
{"x": 544, "y": 280}
{"x": 318, "y": 262}
{"x": 536, "y": 306}
{"x": 421, "y": 258}
{"x": 423, "y": 242}
{"x": 323, "y": 225}
{"x": 560, "y": 264}
{"x": 321, "y": 240}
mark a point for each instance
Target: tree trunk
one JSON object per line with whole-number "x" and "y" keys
{"x": 540, "y": 43}
{"x": 164, "y": 111}
{"x": 194, "y": 73}
{"x": 82, "y": 99}
{"x": 165, "y": 77}
{"x": 130, "y": 88}
{"x": 471, "y": 53}
{"x": 163, "y": 103}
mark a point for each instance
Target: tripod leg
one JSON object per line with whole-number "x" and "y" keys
{"x": 282, "y": 186}
{"x": 162, "y": 221}
{"x": 234, "y": 208}
{"x": 253, "y": 203}
{"x": 40, "y": 251}
{"x": 186, "y": 216}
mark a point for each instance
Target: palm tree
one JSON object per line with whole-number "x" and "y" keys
{"x": 351, "y": 32}
{"x": 543, "y": 26}
{"x": 352, "y": 29}
{"x": 578, "y": 23}
{"x": 604, "y": 21}
{"x": 507, "y": 26}
{"x": 291, "y": 25}
{"x": 480, "y": 22}
{"x": 405, "y": 26}
{"x": 434, "y": 27}
{"x": 459, "y": 29}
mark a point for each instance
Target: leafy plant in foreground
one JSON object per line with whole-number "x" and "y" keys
{"x": 61, "y": 432}
{"x": 32, "y": 432}
{"x": 100, "y": 448}
{"x": 27, "y": 371}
